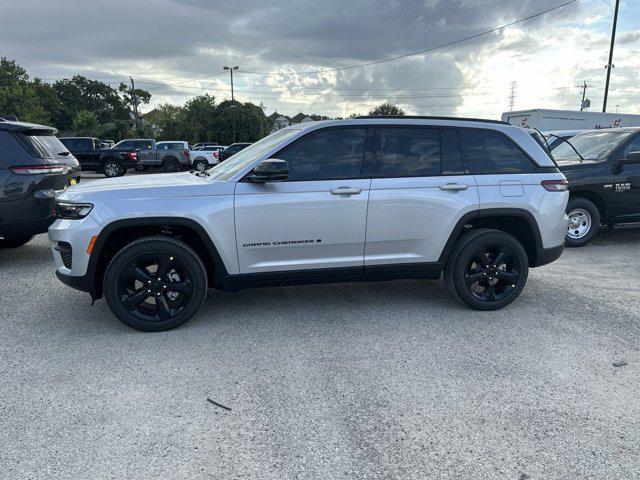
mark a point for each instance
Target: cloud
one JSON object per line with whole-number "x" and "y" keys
{"x": 178, "y": 42}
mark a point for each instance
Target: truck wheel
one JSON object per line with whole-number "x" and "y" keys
{"x": 140, "y": 168}
{"x": 584, "y": 222}
{"x": 14, "y": 242}
{"x": 487, "y": 269}
{"x": 155, "y": 284}
{"x": 112, "y": 168}
{"x": 170, "y": 165}
{"x": 200, "y": 165}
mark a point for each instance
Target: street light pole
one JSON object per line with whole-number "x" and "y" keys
{"x": 231, "y": 69}
{"x": 610, "y": 64}
{"x": 233, "y": 115}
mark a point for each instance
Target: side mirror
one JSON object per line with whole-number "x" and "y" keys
{"x": 271, "y": 170}
{"x": 631, "y": 158}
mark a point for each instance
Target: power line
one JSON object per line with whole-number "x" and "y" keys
{"x": 426, "y": 50}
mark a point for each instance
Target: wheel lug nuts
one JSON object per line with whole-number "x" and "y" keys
{"x": 148, "y": 291}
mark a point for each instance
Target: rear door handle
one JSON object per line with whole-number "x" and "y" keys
{"x": 453, "y": 187}
{"x": 345, "y": 191}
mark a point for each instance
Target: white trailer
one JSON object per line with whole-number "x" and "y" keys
{"x": 548, "y": 120}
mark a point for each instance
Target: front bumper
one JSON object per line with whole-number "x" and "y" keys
{"x": 548, "y": 255}
{"x": 84, "y": 283}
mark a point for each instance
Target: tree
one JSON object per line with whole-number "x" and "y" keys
{"x": 133, "y": 98}
{"x": 199, "y": 119}
{"x": 19, "y": 96}
{"x": 248, "y": 119}
{"x": 85, "y": 124}
{"x": 168, "y": 121}
{"x": 80, "y": 93}
{"x": 386, "y": 109}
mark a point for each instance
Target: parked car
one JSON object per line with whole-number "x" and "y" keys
{"x": 199, "y": 145}
{"x": 479, "y": 201}
{"x": 603, "y": 169}
{"x": 232, "y": 150}
{"x": 150, "y": 155}
{"x": 557, "y": 137}
{"x": 113, "y": 162}
{"x": 206, "y": 157}
{"x": 34, "y": 166}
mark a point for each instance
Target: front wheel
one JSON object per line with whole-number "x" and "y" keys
{"x": 171, "y": 165}
{"x": 155, "y": 284}
{"x": 487, "y": 269}
{"x": 14, "y": 242}
{"x": 584, "y": 222}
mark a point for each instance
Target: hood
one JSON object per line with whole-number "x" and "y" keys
{"x": 147, "y": 187}
{"x": 565, "y": 164}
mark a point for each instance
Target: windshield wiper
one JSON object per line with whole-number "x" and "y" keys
{"x": 202, "y": 173}
{"x": 570, "y": 144}
{"x": 64, "y": 153}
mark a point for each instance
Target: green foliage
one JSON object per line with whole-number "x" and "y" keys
{"x": 85, "y": 124}
{"x": 386, "y": 109}
{"x": 21, "y": 97}
{"x": 167, "y": 122}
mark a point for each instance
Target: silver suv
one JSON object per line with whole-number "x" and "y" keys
{"x": 334, "y": 201}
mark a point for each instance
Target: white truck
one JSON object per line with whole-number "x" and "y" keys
{"x": 550, "y": 120}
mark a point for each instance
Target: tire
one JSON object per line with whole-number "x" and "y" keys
{"x": 497, "y": 284}
{"x": 200, "y": 165}
{"x": 140, "y": 168}
{"x": 584, "y": 222}
{"x": 113, "y": 168}
{"x": 133, "y": 275}
{"x": 14, "y": 242}
{"x": 170, "y": 165}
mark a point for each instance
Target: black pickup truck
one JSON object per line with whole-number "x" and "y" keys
{"x": 603, "y": 170}
{"x": 113, "y": 162}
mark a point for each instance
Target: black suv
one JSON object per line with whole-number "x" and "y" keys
{"x": 33, "y": 166}
{"x": 603, "y": 170}
{"x": 232, "y": 150}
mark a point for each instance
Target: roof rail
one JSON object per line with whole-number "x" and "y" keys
{"x": 421, "y": 117}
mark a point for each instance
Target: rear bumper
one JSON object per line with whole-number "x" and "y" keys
{"x": 25, "y": 228}
{"x": 548, "y": 255}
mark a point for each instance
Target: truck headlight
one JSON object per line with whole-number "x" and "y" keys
{"x": 72, "y": 211}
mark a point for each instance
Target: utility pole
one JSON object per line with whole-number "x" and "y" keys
{"x": 233, "y": 105}
{"x": 512, "y": 95}
{"x": 610, "y": 64}
{"x": 585, "y": 103}
{"x": 135, "y": 103}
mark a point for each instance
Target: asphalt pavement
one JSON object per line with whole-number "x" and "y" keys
{"x": 388, "y": 380}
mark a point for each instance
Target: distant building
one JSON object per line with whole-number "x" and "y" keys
{"x": 301, "y": 118}
{"x": 278, "y": 121}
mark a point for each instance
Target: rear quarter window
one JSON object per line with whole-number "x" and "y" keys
{"x": 42, "y": 145}
{"x": 489, "y": 152}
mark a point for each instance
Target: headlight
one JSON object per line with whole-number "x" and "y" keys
{"x": 72, "y": 211}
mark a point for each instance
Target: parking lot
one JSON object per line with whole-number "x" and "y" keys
{"x": 380, "y": 380}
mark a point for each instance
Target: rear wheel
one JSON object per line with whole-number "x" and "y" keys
{"x": 584, "y": 222}
{"x": 170, "y": 165}
{"x": 487, "y": 269}
{"x": 155, "y": 284}
{"x": 112, "y": 168}
{"x": 14, "y": 242}
{"x": 200, "y": 165}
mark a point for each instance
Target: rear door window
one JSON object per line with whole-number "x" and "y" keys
{"x": 408, "y": 152}
{"x": 489, "y": 152}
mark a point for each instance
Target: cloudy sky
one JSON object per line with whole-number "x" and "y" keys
{"x": 176, "y": 49}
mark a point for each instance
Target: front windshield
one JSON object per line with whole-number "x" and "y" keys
{"x": 591, "y": 145}
{"x": 227, "y": 169}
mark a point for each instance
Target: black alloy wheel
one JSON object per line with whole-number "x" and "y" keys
{"x": 487, "y": 269}
{"x": 155, "y": 284}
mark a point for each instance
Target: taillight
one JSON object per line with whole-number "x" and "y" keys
{"x": 555, "y": 185}
{"x": 132, "y": 155}
{"x": 215, "y": 154}
{"x": 40, "y": 169}
{"x": 186, "y": 154}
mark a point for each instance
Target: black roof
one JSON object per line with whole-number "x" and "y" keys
{"x": 420, "y": 117}
{"x": 25, "y": 126}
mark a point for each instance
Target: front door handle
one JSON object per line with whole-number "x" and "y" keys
{"x": 453, "y": 187}
{"x": 345, "y": 191}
